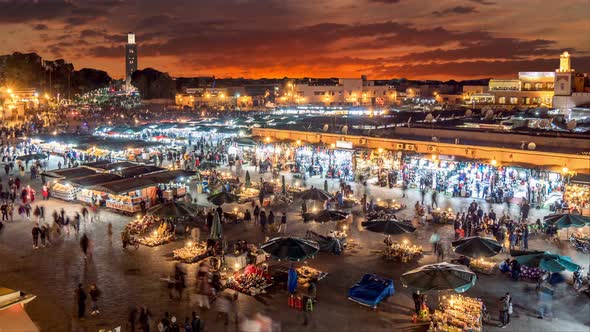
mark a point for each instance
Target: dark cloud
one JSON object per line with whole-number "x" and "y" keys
{"x": 389, "y": 2}
{"x": 16, "y": 11}
{"x": 461, "y": 10}
{"x": 40, "y": 27}
{"x": 483, "y": 2}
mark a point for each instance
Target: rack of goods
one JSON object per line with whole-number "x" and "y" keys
{"x": 482, "y": 266}
{"x": 457, "y": 313}
{"x": 191, "y": 252}
{"x": 124, "y": 203}
{"x": 252, "y": 280}
{"x": 403, "y": 252}
{"x": 150, "y": 231}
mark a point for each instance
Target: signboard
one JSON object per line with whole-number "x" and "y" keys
{"x": 344, "y": 145}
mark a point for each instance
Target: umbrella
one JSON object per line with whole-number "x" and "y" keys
{"x": 216, "y": 229}
{"x": 292, "y": 280}
{"x": 441, "y": 276}
{"x": 290, "y": 248}
{"x": 248, "y": 181}
{"x": 208, "y": 165}
{"x": 477, "y": 247}
{"x": 223, "y": 197}
{"x": 34, "y": 156}
{"x": 173, "y": 209}
{"x": 567, "y": 220}
{"x": 330, "y": 215}
{"x": 326, "y": 185}
{"x": 546, "y": 261}
{"x": 283, "y": 187}
{"x": 315, "y": 194}
{"x": 389, "y": 227}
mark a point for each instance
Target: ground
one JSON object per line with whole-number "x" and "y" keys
{"x": 132, "y": 277}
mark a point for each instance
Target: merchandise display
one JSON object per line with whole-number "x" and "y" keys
{"x": 482, "y": 266}
{"x": 457, "y": 313}
{"x": 192, "y": 252}
{"x": 253, "y": 281}
{"x": 530, "y": 273}
{"x": 150, "y": 231}
{"x": 65, "y": 192}
{"x": 306, "y": 273}
{"x": 403, "y": 252}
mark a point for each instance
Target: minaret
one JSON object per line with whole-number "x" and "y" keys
{"x": 563, "y": 84}
{"x": 130, "y": 58}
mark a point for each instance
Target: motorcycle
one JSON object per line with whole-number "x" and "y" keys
{"x": 580, "y": 245}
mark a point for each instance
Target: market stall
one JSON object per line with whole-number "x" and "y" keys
{"x": 149, "y": 231}
{"x": 252, "y": 280}
{"x": 403, "y": 252}
{"x": 172, "y": 184}
{"x": 371, "y": 290}
{"x": 73, "y": 189}
{"x": 127, "y": 195}
{"x": 192, "y": 252}
{"x": 457, "y": 313}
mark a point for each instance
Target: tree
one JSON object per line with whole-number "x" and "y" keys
{"x": 153, "y": 84}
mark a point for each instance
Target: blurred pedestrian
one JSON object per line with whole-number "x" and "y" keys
{"x": 94, "y": 293}
{"x": 81, "y": 301}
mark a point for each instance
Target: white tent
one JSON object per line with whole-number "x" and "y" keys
{"x": 13, "y": 317}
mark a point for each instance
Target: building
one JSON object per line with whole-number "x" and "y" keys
{"x": 571, "y": 88}
{"x": 229, "y": 97}
{"x": 340, "y": 92}
{"x": 130, "y": 58}
{"x": 531, "y": 88}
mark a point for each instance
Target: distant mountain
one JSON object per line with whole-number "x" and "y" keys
{"x": 29, "y": 70}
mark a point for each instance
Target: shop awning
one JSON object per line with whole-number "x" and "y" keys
{"x": 13, "y": 316}
{"x": 95, "y": 179}
{"x": 169, "y": 176}
{"x": 69, "y": 173}
{"x": 581, "y": 178}
{"x": 134, "y": 171}
{"x": 123, "y": 186}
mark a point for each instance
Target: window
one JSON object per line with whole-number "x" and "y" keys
{"x": 549, "y": 85}
{"x": 502, "y": 100}
{"x": 538, "y": 86}
{"x": 562, "y": 86}
{"x": 527, "y": 86}
{"x": 513, "y": 100}
{"x": 319, "y": 93}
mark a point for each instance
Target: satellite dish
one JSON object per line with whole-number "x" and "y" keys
{"x": 468, "y": 113}
{"x": 434, "y": 139}
{"x": 326, "y": 127}
{"x": 571, "y": 125}
{"x": 544, "y": 123}
{"x": 345, "y": 130}
{"x": 532, "y": 146}
{"x": 489, "y": 114}
{"x": 429, "y": 117}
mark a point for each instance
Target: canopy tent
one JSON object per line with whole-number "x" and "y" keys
{"x": 114, "y": 166}
{"x": 477, "y": 247}
{"x": 13, "y": 317}
{"x": 170, "y": 176}
{"x": 68, "y": 173}
{"x": 328, "y": 215}
{"x": 441, "y": 276}
{"x": 173, "y": 209}
{"x": 290, "y": 248}
{"x": 566, "y": 220}
{"x": 139, "y": 170}
{"x": 216, "y": 228}
{"x": 315, "y": 194}
{"x": 123, "y": 186}
{"x": 223, "y": 197}
{"x": 545, "y": 261}
{"x": 389, "y": 227}
{"x": 94, "y": 179}
{"x": 326, "y": 244}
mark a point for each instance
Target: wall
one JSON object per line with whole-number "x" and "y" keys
{"x": 503, "y": 156}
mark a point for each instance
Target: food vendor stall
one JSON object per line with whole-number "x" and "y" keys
{"x": 252, "y": 280}
{"x": 72, "y": 189}
{"x": 403, "y": 252}
{"x": 191, "y": 252}
{"x": 482, "y": 266}
{"x": 172, "y": 183}
{"x": 127, "y": 195}
{"x": 457, "y": 313}
{"x": 150, "y": 231}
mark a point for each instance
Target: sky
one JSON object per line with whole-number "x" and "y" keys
{"x": 383, "y": 39}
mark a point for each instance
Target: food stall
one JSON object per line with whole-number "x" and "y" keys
{"x": 482, "y": 266}
{"x": 126, "y": 195}
{"x": 457, "y": 313}
{"x": 252, "y": 280}
{"x": 173, "y": 184}
{"x": 578, "y": 197}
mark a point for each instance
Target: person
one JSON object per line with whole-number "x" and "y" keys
{"x": 196, "y": 323}
{"x": 263, "y": 221}
{"x": 417, "y": 302}
{"x": 94, "y": 293}
{"x": 164, "y": 324}
{"x": 222, "y": 304}
{"x": 434, "y": 239}
{"x": 505, "y": 304}
{"x": 173, "y": 325}
{"x": 545, "y": 299}
{"x": 132, "y": 318}
{"x": 187, "y": 325}
{"x": 310, "y": 301}
{"x": 36, "y": 231}
{"x": 525, "y": 237}
{"x": 110, "y": 232}
{"x": 247, "y": 216}
{"x": 434, "y": 200}
{"x": 256, "y": 215}
{"x": 283, "y": 225}
{"x": 81, "y": 300}
{"x": 84, "y": 242}
{"x": 144, "y": 319}
{"x": 515, "y": 270}
{"x": 271, "y": 221}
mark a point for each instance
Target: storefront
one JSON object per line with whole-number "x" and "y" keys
{"x": 125, "y": 195}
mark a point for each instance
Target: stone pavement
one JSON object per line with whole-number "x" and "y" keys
{"x": 132, "y": 277}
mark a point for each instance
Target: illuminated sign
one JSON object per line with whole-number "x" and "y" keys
{"x": 344, "y": 144}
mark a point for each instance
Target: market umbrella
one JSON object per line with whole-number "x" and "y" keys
{"x": 546, "y": 261}
{"x": 283, "y": 186}
{"x": 34, "y": 156}
{"x": 315, "y": 194}
{"x": 566, "y": 220}
{"x": 216, "y": 229}
{"x": 248, "y": 181}
{"x": 223, "y": 197}
{"x": 330, "y": 215}
{"x": 290, "y": 248}
{"x": 389, "y": 227}
{"x": 173, "y": 209}
{"x": 477, "y": 247}
{"x": 325, "y": 185}
{"x": 439, "y": 277}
